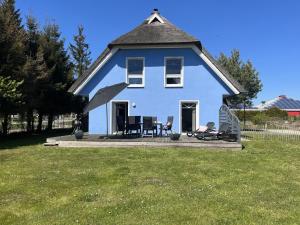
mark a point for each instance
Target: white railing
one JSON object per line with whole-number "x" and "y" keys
{"x": 272, "y": 130}
{"x": 227, "y": 116}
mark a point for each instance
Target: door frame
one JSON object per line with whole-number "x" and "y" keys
{"x": 112, "y": 114}
{"x": 197, "y": 112}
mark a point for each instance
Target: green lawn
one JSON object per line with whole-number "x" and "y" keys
{"x": 46, "y": 185}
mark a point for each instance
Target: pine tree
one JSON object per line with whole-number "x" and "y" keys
{"x": 80, "y": 52}
{"x": 31, "y": 71}
{"x": 245, "y": 74}
{"x": 12, "y": 37}
{"x": 56, "y": 99}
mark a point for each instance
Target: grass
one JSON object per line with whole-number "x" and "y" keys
{"x": 47, "y": 185}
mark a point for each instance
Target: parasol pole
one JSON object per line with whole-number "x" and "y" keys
{"x": 106, "y": 120}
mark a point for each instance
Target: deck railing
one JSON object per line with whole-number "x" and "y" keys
{"x": 227, "y": 116}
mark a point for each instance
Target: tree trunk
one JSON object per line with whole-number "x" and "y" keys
{"x": 5, "y": 124}
{"x": 50, "y": 121}
{"x": 40, "y": 122}
{"x": 29, "y": 120}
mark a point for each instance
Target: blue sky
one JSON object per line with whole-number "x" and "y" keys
{"x": 265, "y": 31}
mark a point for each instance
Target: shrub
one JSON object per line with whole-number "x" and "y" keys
{"x": 260, "y": 118}
{"x": 276, "y": 113}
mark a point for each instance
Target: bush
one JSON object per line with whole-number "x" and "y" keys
{"x": 258, "y": 117}
{"x": 276, "y": 113}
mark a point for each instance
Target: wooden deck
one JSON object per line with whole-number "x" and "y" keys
{"x": 119, "y": 141}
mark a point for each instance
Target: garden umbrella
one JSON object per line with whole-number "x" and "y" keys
{"x": 103, "y": 96}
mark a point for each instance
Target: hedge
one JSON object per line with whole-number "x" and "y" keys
{"x": 260, "y": 117}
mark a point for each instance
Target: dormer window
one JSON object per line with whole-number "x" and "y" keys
{"x": 174, "y": 72}
{"x": 135, "y": 72}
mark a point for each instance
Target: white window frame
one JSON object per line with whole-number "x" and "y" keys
{"x": 181, "y": 75}
{"x": 135, "y": 75}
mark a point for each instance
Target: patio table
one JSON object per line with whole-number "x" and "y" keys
{"x": 158, "y": 123}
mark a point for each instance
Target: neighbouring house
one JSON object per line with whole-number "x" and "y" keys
{"x": 282, "y": 102}
{"x": 169, "y": 73}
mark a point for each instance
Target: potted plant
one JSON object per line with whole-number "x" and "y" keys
{"x": 174, "y": 136}
{"x": 77, "y": 127}
{"x": 78, "y": 134}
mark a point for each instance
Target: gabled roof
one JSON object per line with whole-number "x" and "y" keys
{"x": 156, "y": 30}
{"x": 281, "y": 102}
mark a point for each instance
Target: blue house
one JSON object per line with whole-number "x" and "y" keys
{"x": 169, "y": 73}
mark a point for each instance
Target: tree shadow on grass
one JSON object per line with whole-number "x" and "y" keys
{"x": 24, "y": 139}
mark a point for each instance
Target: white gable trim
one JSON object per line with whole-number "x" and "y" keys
{"x": 215, "y": 69}
{"x": 153, "y": 17}
{"x": 92, "y": 74}
{"x": 193, "y": 47}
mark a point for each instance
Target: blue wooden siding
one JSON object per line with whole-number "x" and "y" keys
{"x": 200, "y": 84}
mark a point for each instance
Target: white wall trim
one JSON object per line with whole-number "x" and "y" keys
{"x": 101, "y": 64}
{"x": 197, "y": 112}
{"x": 138, "y": 76}
{"x": 215, "y": 69}
{"x": 111, "y": 112}
{"x": 181, "y": 75}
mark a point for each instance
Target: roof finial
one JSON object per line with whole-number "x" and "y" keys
{"x": 155, "y": 10}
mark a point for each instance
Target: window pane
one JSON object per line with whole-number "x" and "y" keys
{"x": 135, "y": 66}
{"x": 135, "y": 80}
{"x": 173, "y": 66}
{"x": 173, "y": 80}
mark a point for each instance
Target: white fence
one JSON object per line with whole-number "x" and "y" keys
{"x": 59, "y": 122}
{"x": 272, "y": 130}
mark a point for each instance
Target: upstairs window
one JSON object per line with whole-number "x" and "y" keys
{"x": 174, "y": 72}
{"x": 135, "y": 72}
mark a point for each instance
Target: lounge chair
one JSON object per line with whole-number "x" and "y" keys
{"x": 149, "y": 124}
{"x": 133, "y": 124}
{"x": 224, "y": 133}
{"x": 168, "y": 126}
{"x": 210, "y": 126}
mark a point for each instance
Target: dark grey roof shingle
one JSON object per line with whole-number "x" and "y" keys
{"x": 155, "y": 33}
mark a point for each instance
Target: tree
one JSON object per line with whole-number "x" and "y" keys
{"x": 80, "y": 52}
{"x": 56, "y": 99}
{"x": 81, "y": 60}
{"x": 9, "y": 91}
{"x": 12, "y": 57}
{"x": 245, "y": 74}
{"x": 32, "y": 70}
